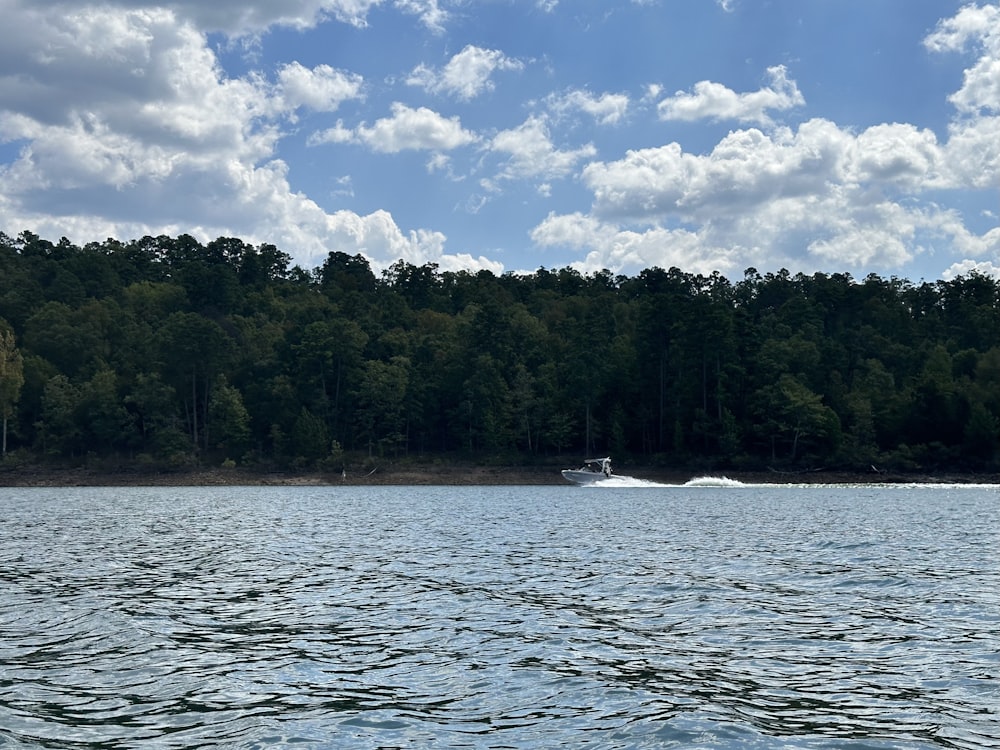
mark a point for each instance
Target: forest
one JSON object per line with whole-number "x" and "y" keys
{"x": 165, "y": 353}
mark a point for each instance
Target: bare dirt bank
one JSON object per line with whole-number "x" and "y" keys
{"x": 448, "y": 475}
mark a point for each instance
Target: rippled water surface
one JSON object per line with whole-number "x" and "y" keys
{"x": 500, "y": 617}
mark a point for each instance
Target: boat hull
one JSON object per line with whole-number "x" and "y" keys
{"x": 578, "y": 476}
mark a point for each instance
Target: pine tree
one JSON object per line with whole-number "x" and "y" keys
{"x": 11, "y": 377}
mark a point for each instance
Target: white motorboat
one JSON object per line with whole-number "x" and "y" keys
{"x": 593, "y": 470}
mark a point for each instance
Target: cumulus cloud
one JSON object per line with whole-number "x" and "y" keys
{"x": 531, "y": 152}
{"x": 407, "y": 129}
{"x": 746, "y": 169}
{"x": 145, "y": 99}
{"x": 972, "y": 24}
{"x": 609, "y": 246}
{"x": 606, "y": 109}
{"x": 817, "y": 195}
{"x": 120, "y": 120}
{"x": 966, "y": 267}
{"x": 466, "y": 75}
{"x": 431, "y": 14}
{"x": 322, "y": 88}
{"x": 239, "y": 17}
{"x": 234, "y": 17}
{"x": 972, "y": 152}
{"x": 973, "y": 147}
{"x": 899, "y": 155}
{"x": 129, "y": 127}
{"x": 715, "y": 101}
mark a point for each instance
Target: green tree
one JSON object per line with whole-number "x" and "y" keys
{"x": 11, "y": 377}
{"x": 193, "y": 349}
{"x": 310, "y": 438}
{"x": 102, "y": 416}
{"x": 792, "y": 413}
{"x": 59, "y": 429}
{"x": 229, "y": 418}
{"x": 153, "y": 404}
{"x": 328, "y": 353}
{"x": 380, "y": 402}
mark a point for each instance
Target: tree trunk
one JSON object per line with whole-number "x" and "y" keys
{"x": 336, "y": 398}
{"x": 661, "y": 436}
{"x": 194, "y": 408}
{"x": 204, "y": 415}
{"x": 718, "y": 387}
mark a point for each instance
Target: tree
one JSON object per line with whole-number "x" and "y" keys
{"x": 789, "y": 410}
{"x": 229, "y": 418}
{"x": 59, "y": 429}
{"x": 193, "y": 349}
{"x": 381, "y": 399}
{"x": 11, "y": 377}
{"x": 326, "y": 354}
{"x": 310, "y": 438}
{"x": 105, "y": 421}
{"x": 152, "y": 405}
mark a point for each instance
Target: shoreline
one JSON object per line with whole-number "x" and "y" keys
{"x": 446, "y": 476}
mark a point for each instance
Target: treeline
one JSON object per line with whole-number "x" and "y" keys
{"x": 167, "y": 352}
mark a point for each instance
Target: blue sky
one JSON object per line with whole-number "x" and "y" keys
{"x": 710, "y": 135}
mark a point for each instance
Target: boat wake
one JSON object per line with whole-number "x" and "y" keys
{"x": 619, "y": 481}
{"x": 713, "y": 482}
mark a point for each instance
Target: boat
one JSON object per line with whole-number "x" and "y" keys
{"x": 593, "y": 470}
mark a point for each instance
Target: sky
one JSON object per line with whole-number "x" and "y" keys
{"x": 832, "y": 136}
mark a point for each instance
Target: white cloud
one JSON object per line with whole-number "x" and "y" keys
{"x": 532, "y": 153}
{"x": 614, "y": 248}
{"x": 322, "y": 88}
{"x": 818, "y": 195}
{"x": 714, "y": 101}
{"x": 607, "y": 109}
{"x": 239, "y": 17}
{"x": 899, "y": 155}
{"x": 866, "y": 245}
{"x": 148, "y": 102}
{"x": 746, "y": 169}
{"x": 972, "y": 23}
{"x": 466, "y": 75}
{"x": 378, "y": 238}
{"x": 129, "y": 127}
{"x": 337, "y": 134}
{"x": 973, "y": 153}
{"x": 949, "y": 224}
{"x": 800, "y": 234}
{"x": 966, "y": 267}
{"x": 978, "y": 27}
{"x": 120, "y": 121}
{"x": 407, "y": 129}
{"x": 293, "y": 221}
{"x": 429, "y": 12}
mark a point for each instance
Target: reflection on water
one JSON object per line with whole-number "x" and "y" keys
{"x": 515, "y": 617}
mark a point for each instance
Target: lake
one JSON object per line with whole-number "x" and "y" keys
{"x": 621, "y": 616}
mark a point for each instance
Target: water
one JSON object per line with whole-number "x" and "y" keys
{"x": 500, "y": 617}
